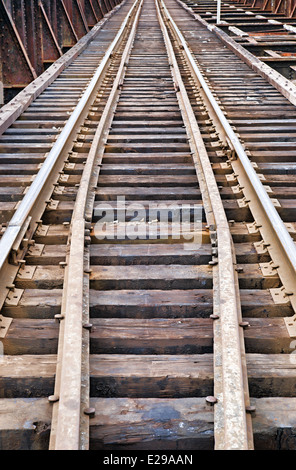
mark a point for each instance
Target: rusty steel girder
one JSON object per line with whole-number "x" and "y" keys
{"x": 284, "y": 7}
{"x": 35, "y": 33}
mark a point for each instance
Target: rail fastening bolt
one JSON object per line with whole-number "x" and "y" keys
{"x": 250, "y": 409}
{"x": 244, "y": 324}
{"x": 90, "y": 412}
{"x": 214, "y": 316}
{"x": 211, "y": 400}
{"x": 53, "y": 398}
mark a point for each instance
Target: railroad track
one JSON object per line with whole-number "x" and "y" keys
{"x": 122, "y": 327}
{"x": 269, "y": 36}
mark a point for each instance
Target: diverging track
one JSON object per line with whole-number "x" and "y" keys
{"x": 148, "y": 282}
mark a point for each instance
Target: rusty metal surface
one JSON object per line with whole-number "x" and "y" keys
{"x": 35, "y": 33}
{"x": 12, "y": 110}
{"x": 285, "y": 7}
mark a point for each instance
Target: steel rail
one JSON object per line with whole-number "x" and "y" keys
{"x": 65, "y": 137}
{"x": 280, "y": 244}
{"x": 70, "y": 355}
{"x": 277, "y": 223}
{"x": 284, "y": 86}
{"x": 233, "y": 429}
{"x": 31, "y": 208}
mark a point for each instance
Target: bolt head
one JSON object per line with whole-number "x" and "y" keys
{"x": 214, "y": 317}
{"x": 250, "y": 409}
{"x": 210, "y": 400}
{"x": 59, "y": 316}
{"x": 90, "y": 412}
{"x": 53, "y": 398}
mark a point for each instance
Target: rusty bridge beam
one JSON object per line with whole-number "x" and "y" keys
{"x": 35, "y": 33}
{"x": 90, "y": 13}
{"x": 17, "y": 69}
{"x": 284, "y": 7}
{"x": 97, "y": 8}
{"x": 61, "y": 24}
{"x": 76, "y": 16}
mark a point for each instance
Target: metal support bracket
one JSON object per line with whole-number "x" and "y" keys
{"x": 231, "y": 178}
{"x": 275, "y": 202}
{"x": 42, "y": 230}
{"x": 268, "y": 269}
{"x": 13, "y": 297}
{"x": 268, "y": 189}
{"x": 290, "y": 227}
{"x": 261, "y": 247}
{"x": 279, "y": 295}
{"x": 291, "y": 325}
{"x": 253, "y": 228}
{"x": 244, "y": 202}
{"x": 237, "y": 189}
{"x": 4, "y": 325}
{"x": 36, "y": 250}
{"x": 53, "y": 205}
{"x": 70, "y": 166}
{"x": 27, "y": 272}
{"x": 225, "y": 166}
{"x": 59, "y": 190}
{"x": 261, "y": 176}
{"x": 63, "y": 178}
